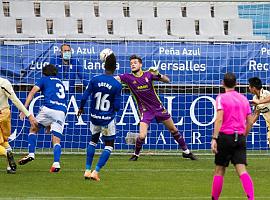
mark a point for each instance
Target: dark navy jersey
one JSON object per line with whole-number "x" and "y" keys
{"x": 54, "y": 93}
{"x": 105, "y": 92}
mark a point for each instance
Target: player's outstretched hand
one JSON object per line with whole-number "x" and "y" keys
{"x": 22, "y": 115}
{"x": 80, "y": 112}
{"x": 254, "y": 102}
{"x": 33, "y": 121}
{"x": 153, "y": 70}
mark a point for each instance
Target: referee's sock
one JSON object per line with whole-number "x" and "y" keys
{"x": 247, "y": 184}
{"x": 217, "y": 186}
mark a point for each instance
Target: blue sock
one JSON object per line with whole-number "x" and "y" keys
{"x": 57, "y": 152}
{"x": 104, "y": 157}
{"x": 90, "y": 155}
{"x": 32, "y": 141}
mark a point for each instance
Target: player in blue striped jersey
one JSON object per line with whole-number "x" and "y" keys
{"x": 52, "y": 113}
{"x": 105, "y": 92}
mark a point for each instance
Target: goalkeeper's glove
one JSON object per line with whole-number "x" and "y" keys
{"x": 154, "y": 70}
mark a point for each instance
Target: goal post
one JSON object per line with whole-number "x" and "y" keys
{"x": 195, "y": 68}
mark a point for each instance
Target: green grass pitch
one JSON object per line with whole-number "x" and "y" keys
{"x": 150, "y": 178}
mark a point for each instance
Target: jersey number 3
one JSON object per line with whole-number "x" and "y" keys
{"x": 61, "y": 91}
{"x": 102, "y": 103}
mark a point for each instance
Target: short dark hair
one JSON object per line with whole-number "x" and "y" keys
{"x": 135, "y": 57}
{"x": 110, "y": 63}
{"x": 65, "y": 45}
{"x": 255, "y": 82}
{"x": 229, "y": 80}
{"x": 49, "y": 70}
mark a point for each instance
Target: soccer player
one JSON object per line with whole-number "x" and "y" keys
{"x": 52, "y": 114}
{"x": 7, "y": 92}
{"x": 69, "y": 68}
{"x": 262, "y": 99}
{"x": 149, "y": 105}
{"x": 232, "y": 125}
{"x": 105, "y": 94}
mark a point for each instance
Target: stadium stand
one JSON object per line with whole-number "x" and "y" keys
{"x": 22, "y": 9}
{"x": 51, "y": 9}
{"x": 141, "y": 9}
{"x": 169, "y": 10}
{"x": 81, "y": 9}
{"x": 199, "y": 10}
{"x": 182, "y": 20}
{"x": 111, "y": 9}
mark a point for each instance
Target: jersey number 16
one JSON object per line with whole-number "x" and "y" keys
{"x": 102, "y": 103}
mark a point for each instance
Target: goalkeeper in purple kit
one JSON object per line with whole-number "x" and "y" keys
{"x": 149, "y": 105}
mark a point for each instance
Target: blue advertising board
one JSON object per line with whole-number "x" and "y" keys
{"x": 185, "y": 64}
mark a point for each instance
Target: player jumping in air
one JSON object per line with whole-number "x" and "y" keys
{"x": 149, "y": 105}
{"x": 52, "y": 114}
{"x": 105, "y": 94}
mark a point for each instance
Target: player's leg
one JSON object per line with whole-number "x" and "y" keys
{"x": 44, "y": 121}
{"x": 91, "y": 148}
{"x": 223, "y": 157}
{"x": 239, "y": 160}
{"x": 5, "y": 130}
{"x": 57, "y": 128}
{"x": 140, "y": 140}
{"x": 32, "y": 140}
{"x": 218, "y": 180}
{"x": 246, "y": 180}
{"x": 178, "y": 138}
{"x": 108, "y": 135}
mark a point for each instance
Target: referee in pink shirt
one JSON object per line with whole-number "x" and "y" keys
{"x": 232, "y": 125}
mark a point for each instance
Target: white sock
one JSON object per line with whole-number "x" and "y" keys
{"x": 187, "y": 151}
{"x": 32, "y": 155}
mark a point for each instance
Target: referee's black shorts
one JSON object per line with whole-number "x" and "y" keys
{"x": 231, "y": 148}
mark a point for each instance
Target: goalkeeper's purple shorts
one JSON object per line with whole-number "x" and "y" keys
{"x": 160, "y": 114}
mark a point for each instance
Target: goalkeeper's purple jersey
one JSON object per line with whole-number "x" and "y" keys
{"x": 143, "y": 90}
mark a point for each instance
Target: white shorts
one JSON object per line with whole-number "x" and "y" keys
{"x": 108, "y": 130}
{"x": 54, "y": 118}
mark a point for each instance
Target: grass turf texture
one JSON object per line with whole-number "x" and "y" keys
{"x": 151, "y": 177}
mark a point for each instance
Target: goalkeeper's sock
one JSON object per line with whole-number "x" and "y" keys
{"x": 104, "y": 157}
{"x": 138, "y": 146}
{"x": 57, "y": 152}
{"x": 32, "y": 141}
{"x": 247, "y": 185}
{"x": 217, "y": 186}
{"x": 3, "y": 151}
{"x": 90, "y": 155}
{"x": 180, "y": 140}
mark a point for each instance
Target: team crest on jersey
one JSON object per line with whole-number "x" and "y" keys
{"x": 146, "y": 79}
{"x": 134, "y": 82}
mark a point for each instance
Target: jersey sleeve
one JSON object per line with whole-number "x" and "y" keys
{"x": 40, "y": 83}
{"x": 219, "y": 105}
{"x": 13, "y": 97}
{"x": 124, "y": 78}
{"x": 86, "y": 94}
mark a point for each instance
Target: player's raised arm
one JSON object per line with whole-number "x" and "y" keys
{"x": 85, "y": 96}
{"x": 161, "y": 77}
